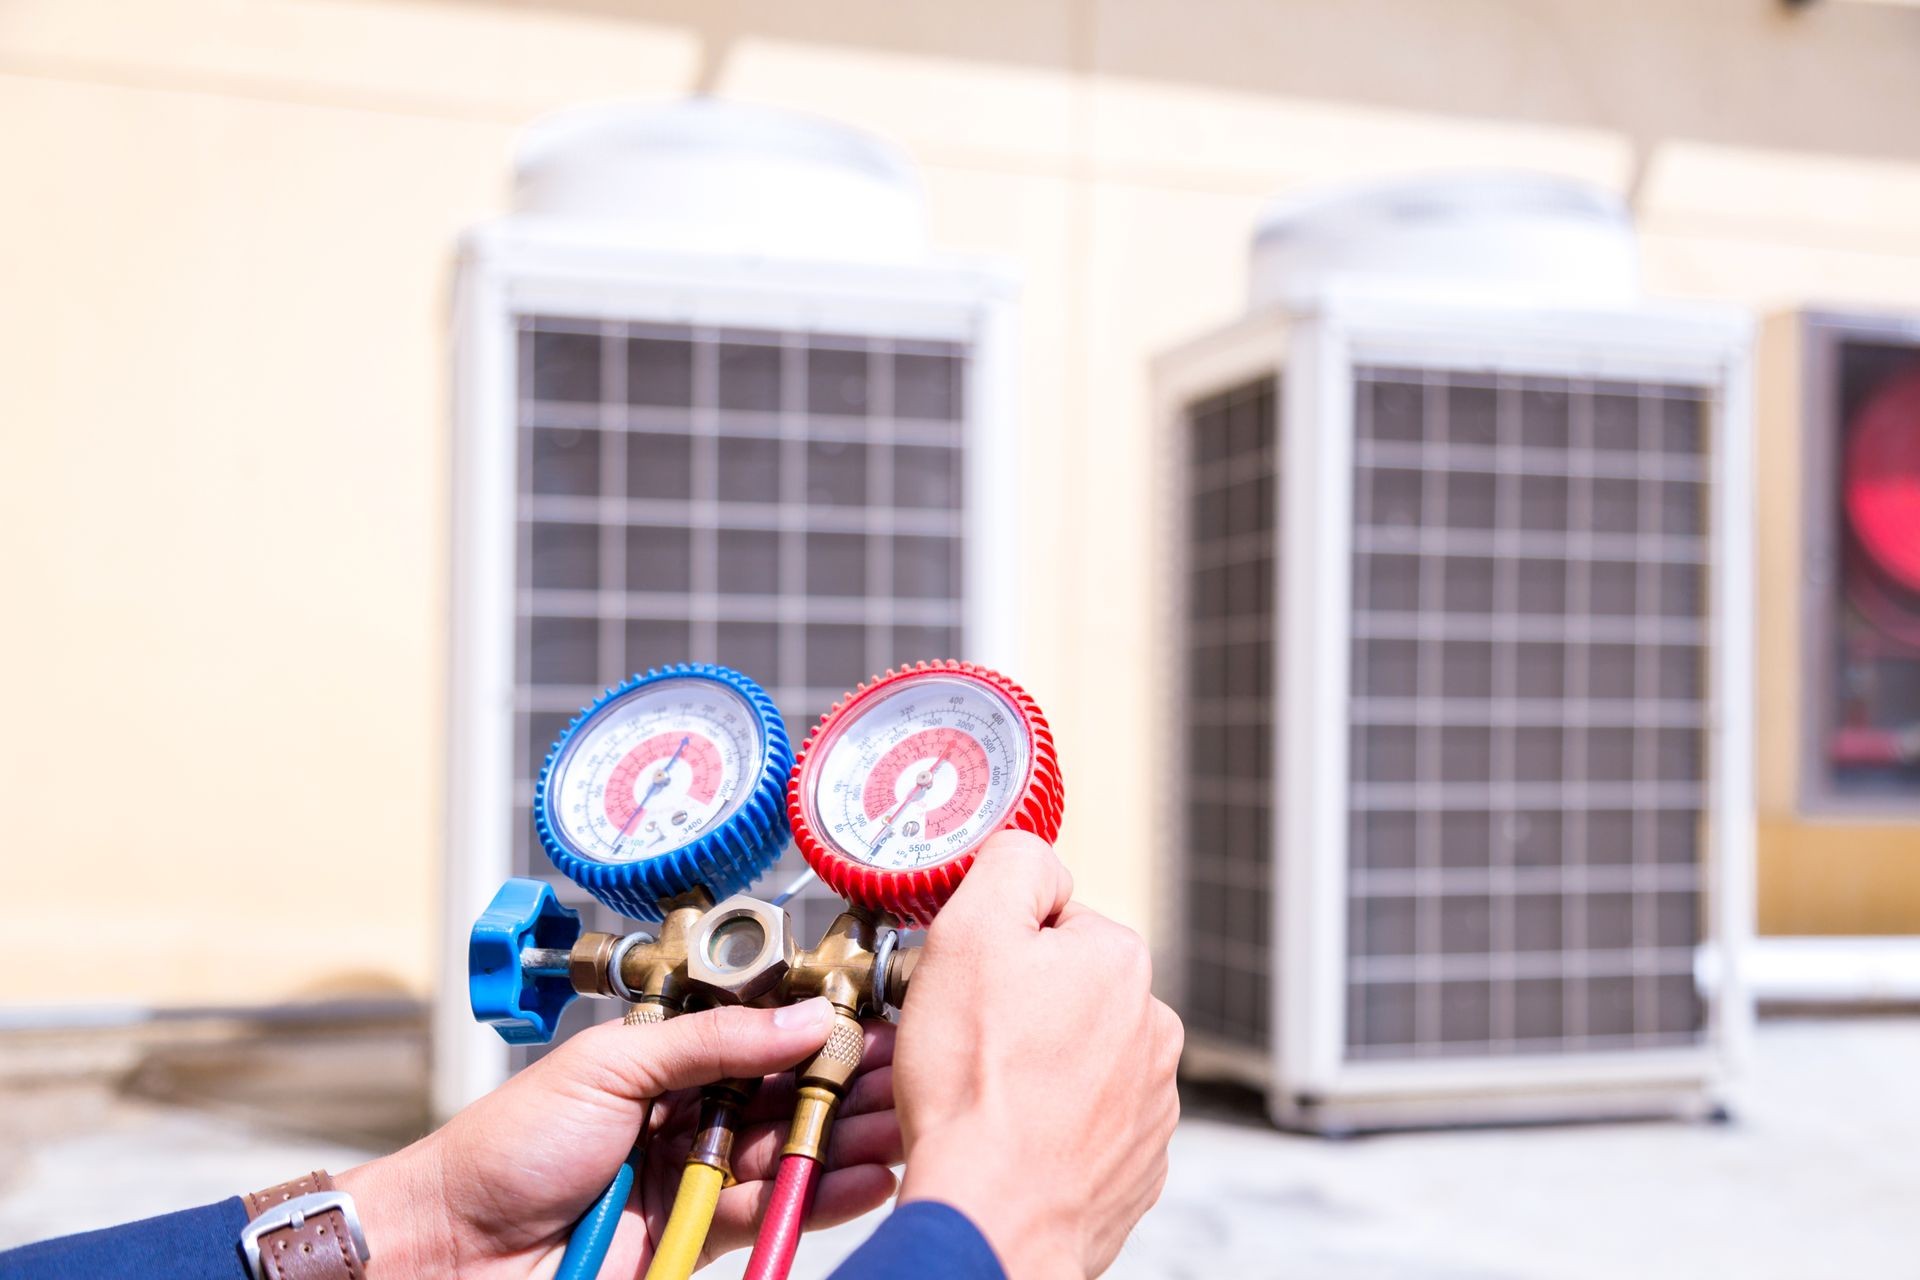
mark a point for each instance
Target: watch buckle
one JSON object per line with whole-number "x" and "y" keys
{"x": 294, "y": 1213}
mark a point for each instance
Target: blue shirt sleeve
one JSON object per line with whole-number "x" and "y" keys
{"x": 927, "y": 1241}
{"x": 194, "y": 1244}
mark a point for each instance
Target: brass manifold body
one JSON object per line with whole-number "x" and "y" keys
{"x": 742, "y": 951}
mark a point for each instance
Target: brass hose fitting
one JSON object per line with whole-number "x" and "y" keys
{"x": 721, "y": 1107}
{"x": 841, "y": 968}
{"x": 823, "y": 1083}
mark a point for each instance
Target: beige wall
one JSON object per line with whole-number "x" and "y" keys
{"x": 227, "y": 228}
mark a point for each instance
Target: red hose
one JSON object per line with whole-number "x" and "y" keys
{"x": 793, "y": 1188}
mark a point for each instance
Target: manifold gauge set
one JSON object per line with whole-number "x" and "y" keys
{"x": 675, "y": 792}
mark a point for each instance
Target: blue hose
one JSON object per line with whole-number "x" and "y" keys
{"x": 593, "y": 1234}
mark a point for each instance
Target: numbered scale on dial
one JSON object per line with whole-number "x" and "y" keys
{"x": 901, "y": 783}
{"x": 671, "y": 759}
{"x": 667, "y": 782}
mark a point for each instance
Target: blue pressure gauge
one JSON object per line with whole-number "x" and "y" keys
{"x": 672, "y": 780}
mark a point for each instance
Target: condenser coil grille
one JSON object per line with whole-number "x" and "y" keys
{"x": 1528, "y": 714}
{"x": 1232, "y": 479}
{"x": 785, "y": 503}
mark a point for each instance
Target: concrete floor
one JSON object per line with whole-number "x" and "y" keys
{"x": 1818, "y": 1174}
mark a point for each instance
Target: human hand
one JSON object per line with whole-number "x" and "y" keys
{"x": 1035, "y": 1070}
{"x": 494, "y": 1194}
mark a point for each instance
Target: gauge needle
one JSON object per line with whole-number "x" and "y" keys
{"x": 659, "y": 780}
{"x": 921, "y": 785}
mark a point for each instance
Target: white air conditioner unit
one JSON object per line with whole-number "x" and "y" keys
{"x": 716, "y": 400}
{"x": 1459, "y": 535}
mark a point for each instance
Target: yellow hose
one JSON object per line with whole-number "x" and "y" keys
{"x": 686, "y": 1233}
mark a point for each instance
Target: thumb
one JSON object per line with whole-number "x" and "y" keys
{"x": 694, "y": 1049}
{"x": 1016, "y": 882}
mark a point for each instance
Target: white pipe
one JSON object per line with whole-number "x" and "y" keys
{"x": 1837, "y": 971}
{"x": 91, "y": 1017}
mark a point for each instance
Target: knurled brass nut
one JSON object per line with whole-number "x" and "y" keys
{"x": 589, "y": 962}
{"x": 740, "y": 950}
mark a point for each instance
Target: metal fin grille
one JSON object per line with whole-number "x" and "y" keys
{"x": 1231, "y": 628}
{"x": 1529, "y": 714}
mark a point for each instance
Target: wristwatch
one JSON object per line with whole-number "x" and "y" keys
{"x": 304, "y": 1230}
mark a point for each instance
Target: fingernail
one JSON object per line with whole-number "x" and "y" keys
{"x": 813, "y": 1014}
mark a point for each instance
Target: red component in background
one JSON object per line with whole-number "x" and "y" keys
{"x": 1883, "y": 479}
{"x": 632, "y": 777}
{"x": 1869, "y": 746}
{"x": 916, "y": 894}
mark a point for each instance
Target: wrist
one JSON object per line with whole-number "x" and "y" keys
{"x": 403, "y": 1214}
{"x": 1031, "y": 1232}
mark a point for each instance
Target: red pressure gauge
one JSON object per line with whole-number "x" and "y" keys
{"x": 903, "y": 780}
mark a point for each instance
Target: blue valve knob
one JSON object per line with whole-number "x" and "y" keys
{"x": 522, "y": 1001}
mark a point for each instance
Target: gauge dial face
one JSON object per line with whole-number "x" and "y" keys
{"x": 654, "y": 769}
{"x": 922, "y": 774}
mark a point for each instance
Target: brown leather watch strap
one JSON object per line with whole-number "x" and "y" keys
{"x": 321, "y": 1248}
